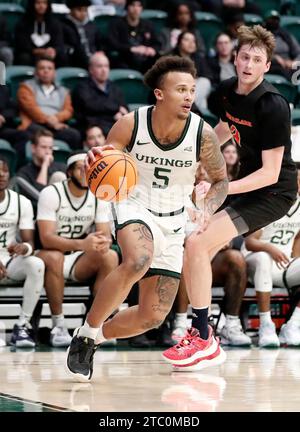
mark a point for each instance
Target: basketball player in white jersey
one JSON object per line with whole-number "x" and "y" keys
{"x": 67, "y": 211}
{"x": 166, "y": 141}
{"x": 16, "y": 260}
{"x": 273, "y": 261}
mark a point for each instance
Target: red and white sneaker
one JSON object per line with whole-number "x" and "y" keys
{"x": 193, "y": 353}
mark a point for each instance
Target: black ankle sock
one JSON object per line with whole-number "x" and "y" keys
{"x": 199, "y": 321}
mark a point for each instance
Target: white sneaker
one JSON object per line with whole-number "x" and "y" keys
{"x": 267, "y": 337}
{"x": 59, "y": 337}
{"x": 178, "y": 333}
{"x": 290, "y": 334}
{"x": 234, "y": 335}
{"x": 2, "y": 342}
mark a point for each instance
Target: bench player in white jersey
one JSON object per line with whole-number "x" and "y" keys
{"x": 67, "y": 211}
{"x": 16, "y": 260}
{"x": 273, "y": 258}
{"x": 166, "y": 141}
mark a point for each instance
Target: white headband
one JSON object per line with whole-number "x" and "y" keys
{"x": 75, "y": 158}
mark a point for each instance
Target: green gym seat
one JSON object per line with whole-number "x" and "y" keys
{"x": 131, "y": 83}
{"x": 12, "y": 13}
{"x": 285, "y": 87}
{"x": 70, "y": 76}
{"x": 17, "y": 74}
{"x": 10, "y": 154}
{"x": 209, "y": 25}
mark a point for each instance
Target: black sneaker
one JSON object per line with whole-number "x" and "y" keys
{"x": 80, "y": 357}
{"x": 22, "y": 337}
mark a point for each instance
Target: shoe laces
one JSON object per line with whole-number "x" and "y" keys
{"x": 85, "y": 350}
{"x": 187, "y": 339}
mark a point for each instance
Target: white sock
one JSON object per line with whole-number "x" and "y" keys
{"x": 296, "y": 315}
{"x": 23, "y": 319}
{"x": 265, "y": 317}
{"x": 87, "y": 331}
{"x": 231, "y": 320}
{"x": 181, "y": 320}
{"x": 58, "y": 320}
{"x": 100, "y": 337}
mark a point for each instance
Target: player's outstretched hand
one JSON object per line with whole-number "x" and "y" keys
{"x": 94, "y": 152}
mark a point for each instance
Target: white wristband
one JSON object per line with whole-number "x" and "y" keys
{"x": 30, "y": 249}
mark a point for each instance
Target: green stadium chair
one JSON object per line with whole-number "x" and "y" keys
{"x": 210, "y": 118}
{"x": 10, "y": 154}
{"x": 103, "y": 23}
{"x": 70, "y": 76}
{"x": 17, "y": 74}
{"x": 61, "y": 151}
{"x": 157, "y": 17}
{"x": 252, "y": 19}
{"x": 266, "y": 5}
{"x": 288, "y": 90}
{"x": 12, "y": 13}
{"x": 292, "y": 25}
{"x": 209, "y": 25}
{"x": 131, "y": 83}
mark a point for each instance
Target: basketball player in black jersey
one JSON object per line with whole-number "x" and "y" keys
{"x": 258, "y": 118}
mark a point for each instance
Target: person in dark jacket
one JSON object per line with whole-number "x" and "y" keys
{"x": 37, "y": 34}
{"x": 134, "y": 39}
{"x": 222, "y": 64}
{"x": 81, "y": 36}
{"x": 97, "y": 100}
{"x": 287, "y": 48}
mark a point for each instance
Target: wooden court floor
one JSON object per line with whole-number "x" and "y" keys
{"x": 251, "y": 380}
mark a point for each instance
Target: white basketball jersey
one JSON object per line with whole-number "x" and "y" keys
{"x": 283, "y": 232}
{"x": 74, "y": 221}
{"x": 166, "y": 173}
{"x": 16, "y": 214}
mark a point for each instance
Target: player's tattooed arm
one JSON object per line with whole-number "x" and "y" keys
{"x": 213, "y": 162}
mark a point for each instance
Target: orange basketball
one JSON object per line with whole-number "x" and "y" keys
{"x": 112, "y": 176}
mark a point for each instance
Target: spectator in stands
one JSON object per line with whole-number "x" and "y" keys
{"x": 222, "y": 64}
{"x": 6, "y": 51}
{"x": 287, "y": 48}
{"x": 66, "y": 213}
{"x": 225, "y": 9}
{"x": 273, "y": 258}
{"x": 97, "y": 100}
{"x": 37, "y": 34}
{"x": 93, "y": 137}
{"x": 8, "y": 113}
{"x": 187, "y": 47}
{"x": 81, "y": 36}
{"x": 44, "y": 104}
{"x": 134, "y": 39}
{"x": 16, "y": 260}
{"x": 181, "y": 18}
{"x": 42, "y": 170}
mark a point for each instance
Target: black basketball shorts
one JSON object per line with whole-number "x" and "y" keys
{"x": 251, "y": 211}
